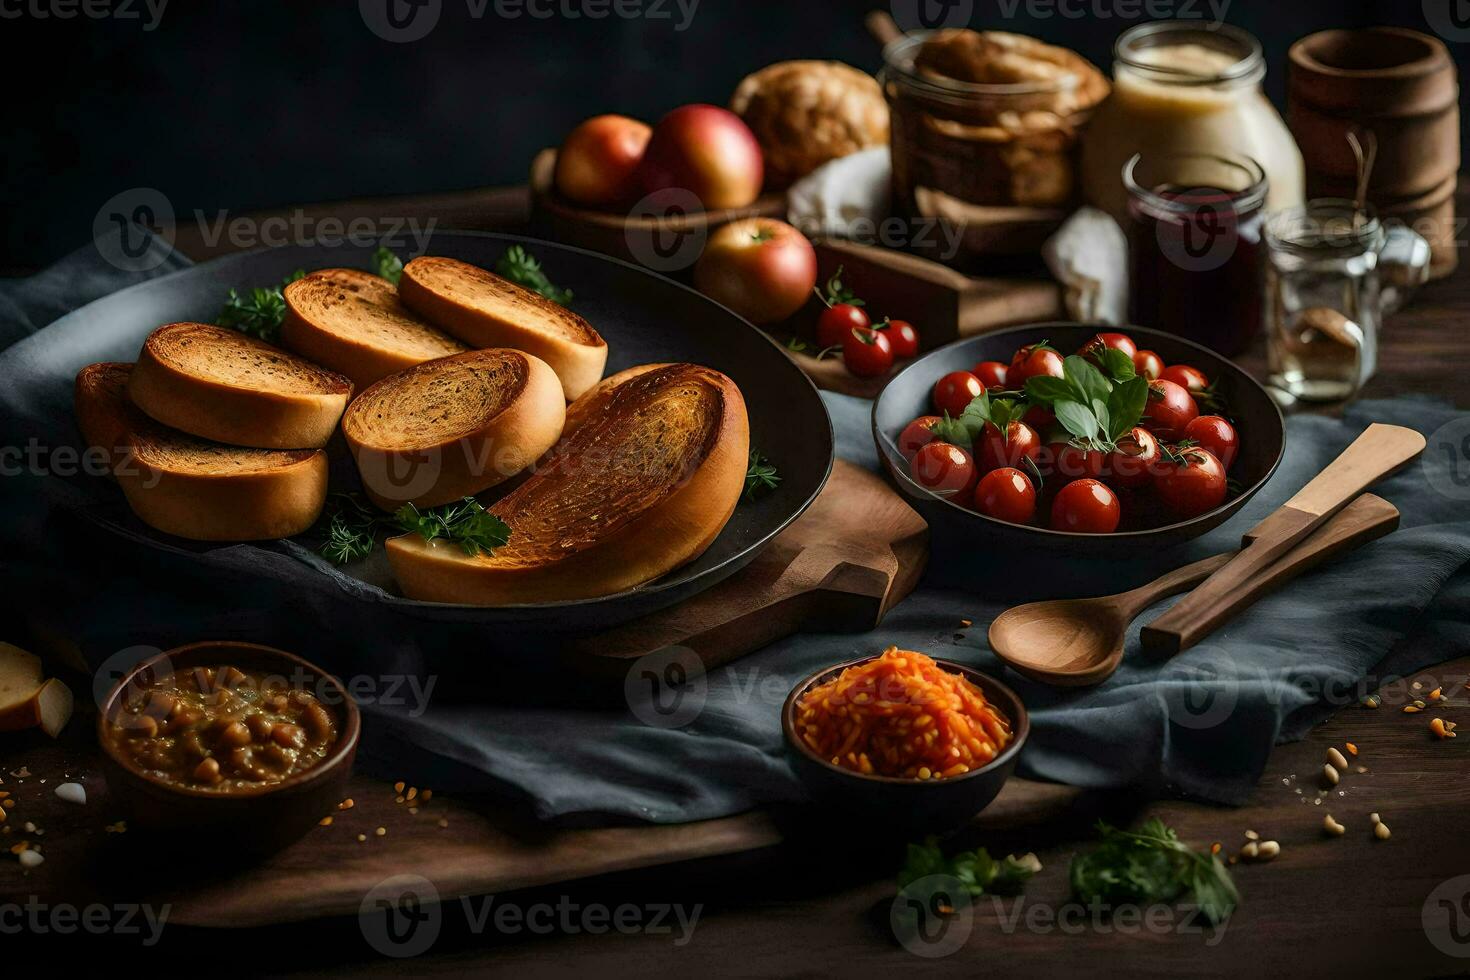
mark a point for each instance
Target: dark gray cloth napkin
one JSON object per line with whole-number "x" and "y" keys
{"x": 1200, "y": 725}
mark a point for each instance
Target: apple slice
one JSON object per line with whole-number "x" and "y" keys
{"x": 48, "y": 706}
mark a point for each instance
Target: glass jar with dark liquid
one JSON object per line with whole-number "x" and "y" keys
{"x": 1195, "y": 247}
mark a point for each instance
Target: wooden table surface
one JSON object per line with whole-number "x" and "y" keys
{"x": 1327, "y": 905}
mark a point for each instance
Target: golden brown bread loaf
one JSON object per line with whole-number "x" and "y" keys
{"x": 483, "y": 310}
{"x": 221, "y": 385}
{"x": 639, "y": 487}
{"x": 354, "y": 323}
{"x": 187, "y": 486}
{"x": 454, "y": 426}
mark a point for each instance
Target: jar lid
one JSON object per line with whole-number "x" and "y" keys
{"x": 1247, "y": 62}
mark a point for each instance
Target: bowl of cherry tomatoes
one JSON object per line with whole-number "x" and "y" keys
{"x": 1075, "y": 438}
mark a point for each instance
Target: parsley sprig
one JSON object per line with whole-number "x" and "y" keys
{"x": 520, "y": 267}
{"x": 352, "y": 526}
{"x": 259, "y": 312}
{"x": 387, "y": 265}
{"x": 1152, "y": 865}
{"x": 928, "y": 878}
{"x": 761, "y": 476}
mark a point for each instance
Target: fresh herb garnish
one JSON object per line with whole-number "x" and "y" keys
{"x": 837, "y": 293}
{"x": 929, "y": 882}
{"x": 260, "y": 312}
{"x": 387, "y": 265}
{"x": 521, "y": 268}
{"x": 352, "y": 526}
{"x": 1149, "y": 866}
{"x": 467, "y": 523}
{"x": 1095, "y": 410}
{"x": 760, "y": 477}
{"x": 967, "y": 429}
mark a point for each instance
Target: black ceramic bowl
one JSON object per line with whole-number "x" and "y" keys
{"x": 920, "y": 806}
{"x": 245, "y": 822}
{"x": 1255, "y": 416}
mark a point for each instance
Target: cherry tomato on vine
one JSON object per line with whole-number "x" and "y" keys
{"x": 835, "y": 323}
{"x": 1033, "y": 361}
{"x": 1086, "y": 507}
{"x": 1147, "y": 364}
{"x": 955, "y": 391}
{"x": 867, "y": 352}
{"x": 992, "y": 374}
{"x": 1133, "y": 464}
{"x": 1169, "y": 409}
{"x": 1006, "y": 495}
{"x": 916, "y": 435}
{"x": 1193, "y": 487}
{"x": 903, "y": 337}
{"x": 1189, "y": 378}
{"x": 945, "y": 469}
{"x": 994, "y": 451}
{"x": 1217, "y": 435}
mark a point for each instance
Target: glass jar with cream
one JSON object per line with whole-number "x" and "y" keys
{"x": 1181, "y": 87}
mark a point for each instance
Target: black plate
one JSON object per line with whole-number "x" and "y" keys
{"x": 643, "y": 316}
{"x": 1257, "y": 420}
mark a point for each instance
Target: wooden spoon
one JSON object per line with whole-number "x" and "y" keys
{"x": 1078, "y": 642}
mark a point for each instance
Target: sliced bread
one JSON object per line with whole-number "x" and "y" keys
{"x": 220, "y": 384}
{"x": 454, "y": 426}
{"x": 484, "y": 310}
{"x": 187, "y": 486}
{"x": 641, "y": 486}
{"x": 353, "y": 323}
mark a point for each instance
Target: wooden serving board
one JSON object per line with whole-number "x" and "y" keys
{"x": 840, "y": 567}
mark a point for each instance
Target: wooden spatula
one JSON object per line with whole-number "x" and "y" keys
{"x": 1379, "y": 451}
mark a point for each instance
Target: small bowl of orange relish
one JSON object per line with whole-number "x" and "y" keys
{"x": 904, "y": 739}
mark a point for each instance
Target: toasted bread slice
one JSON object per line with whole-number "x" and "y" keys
{"x": 484, "y": 310}
{"x": 48, "y": 707}
{"x": 353, "y": 323}
{"x": 640, "y": 488}
{"x": 451, "y": 427}
{"x": 219, "y": 384}
{"x": 20, "y": 679}
{"x": 187, "y": 486}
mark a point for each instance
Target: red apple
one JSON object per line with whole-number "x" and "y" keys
{"x": 761, "y": 268}
{"x": 597, "y": 165}
{"x": 707, "y": 151}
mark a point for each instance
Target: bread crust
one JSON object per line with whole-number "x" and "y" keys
{"x": 670, "y": 532}
{"x": 228, "y": 494}
{"x": 433, "y": 467}
{"x": 319, "y": 326}
{"x": 176, "y": 382}
{"x": 483, "y": 310}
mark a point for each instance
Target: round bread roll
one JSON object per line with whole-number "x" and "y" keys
{"x": 451, "y": 427}
{"x": 805, "y": 113}
{"x": 219, "y": 384}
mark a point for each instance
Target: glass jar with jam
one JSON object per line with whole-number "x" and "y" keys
{"x": 1180, "y": 87}
{"x": 1195, "y": 246}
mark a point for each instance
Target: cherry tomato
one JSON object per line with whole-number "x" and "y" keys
{"x": 992, "y": 451}
{"x": 916, "y": 435}
{"x": 1086, "y": 507}
{"x": 1033, "y": 362}
{"x": 1217, "y": 435}
{"x": 945, "y": 469}
{"x": 1191, "y": 379}
{"x": 1070, "y": 463}
{"x": 903, "y": 337}
{"x": 955, "y": 391}
{"x": 1147, "y": 364}
{"x": 992, "y": 374}
{"x": 1040, "y": 418}
{"x": 867, "y": 352}
{"x": 1006, "y": 495}
{"x": 835, "y": 323}
{"x": 1169, "y": 409}
{"x": 1194, "y": 487}
{"x": 1135, "y": 461}
{"x": 1117, "y": 341}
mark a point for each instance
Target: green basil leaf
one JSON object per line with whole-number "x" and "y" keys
{"x": 1126, "y": 405}
{"x": 1117, "y": 365}
{"x": 1078, "y": 420}
{"x": 976, "y": 414}
{"x": 1045, "y": 390}
{"x": 1100, "y": 412}
{"x": 954, "y": 432}
{"x": 1087, "y": 380}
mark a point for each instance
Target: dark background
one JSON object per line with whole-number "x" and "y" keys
{"x": 244, "y": 104}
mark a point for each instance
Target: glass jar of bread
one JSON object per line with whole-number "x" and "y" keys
{"x": 1180, "y": 87}
{"x": 985, "y": 120}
